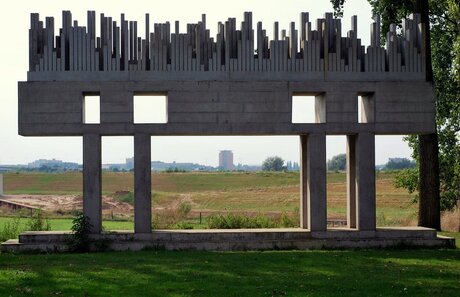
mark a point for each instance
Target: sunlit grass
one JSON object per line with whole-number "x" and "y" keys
{"x": 269, "y": 273}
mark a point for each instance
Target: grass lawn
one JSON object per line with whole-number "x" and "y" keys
{"x": 272, "y": 273}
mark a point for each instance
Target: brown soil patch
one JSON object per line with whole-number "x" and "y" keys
{"x": 67, "y": 203}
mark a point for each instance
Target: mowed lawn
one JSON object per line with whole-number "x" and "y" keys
{"x": 255, "y": 191}
{"x": 269, "y": 273}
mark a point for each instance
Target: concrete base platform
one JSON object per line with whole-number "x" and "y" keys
{"x": 236, "y": 239}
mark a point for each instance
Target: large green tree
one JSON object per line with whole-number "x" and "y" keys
{"x": 338, "y": 162}
{"x": 438, "y": 176}
{"x": 273, "y": 164}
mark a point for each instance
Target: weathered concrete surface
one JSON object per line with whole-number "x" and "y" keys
{"x": 142, "y": 184}
{"x": 222, "y": 86}
{"x": 241, "y": 239}
{"x": 225, "y": 107}
{"x": 232, "y": 52}
{"x": 365, "y": 181}
{"x": 1, "y": 184}
{"x": 316, "y": 181}
{"x": 92, "y": 181}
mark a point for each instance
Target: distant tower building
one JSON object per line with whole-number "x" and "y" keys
{"x": 226, "y": 160}
{"x": 129, "y": 164}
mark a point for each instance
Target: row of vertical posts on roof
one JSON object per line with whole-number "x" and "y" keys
{"x": 119, "y": 48}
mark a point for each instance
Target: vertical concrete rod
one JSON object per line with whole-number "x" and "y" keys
{"x": 365, "y": 176}
{"x": 304, "y": 217}
{"x": 316, "y": 181}
{"x": 142, "y": 184}
{"x": 351, "y": 181}
{"x": 92, "y": 190}
{"x": 1, "y": 184}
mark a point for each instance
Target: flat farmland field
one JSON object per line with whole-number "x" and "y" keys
{"x": 255, "y": 192}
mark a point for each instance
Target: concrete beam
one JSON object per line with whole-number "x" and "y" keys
{"x": 316, "y": 181}
{"x": 92, "y": 182}
{"x": 365, "y": 177}
{"x": 142, "y": 184}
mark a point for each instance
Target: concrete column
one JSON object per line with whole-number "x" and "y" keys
{"x": 92, "y": 182}
{"x": 142, "y": 184}
{"x": 304, "y": 217}
{"x": 1, "y": 184}
{"x": 351, "y": 181}
{"x": 316, "y": 181}
{"x": 365, "y": 180}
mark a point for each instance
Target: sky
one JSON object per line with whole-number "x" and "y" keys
{"x": 14, "y": 24}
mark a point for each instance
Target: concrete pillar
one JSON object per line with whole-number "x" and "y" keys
{"x": 1, "y": 184}
{"x": 316, "y": 181}
{"x": 142, "y": 184}
{"x": 351, "y": 181}
{"x": 92, "y": 182}
{"x": 304, "y": 217}
{"x": 365, "y": 180}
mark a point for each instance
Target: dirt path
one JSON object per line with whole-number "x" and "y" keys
{"x": 66, "y": 203}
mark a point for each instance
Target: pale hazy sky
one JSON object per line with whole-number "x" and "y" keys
{"x": 14, "y": 24}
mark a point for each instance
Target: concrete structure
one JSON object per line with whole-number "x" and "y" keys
{"x": 239, "y": 239}
{"x": 226, "y": 160}
{"x": 1, "y": 184}
{"x": 239, "y": 83}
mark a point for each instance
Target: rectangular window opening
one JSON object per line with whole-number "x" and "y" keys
{"x": 394, "y": 206}
{"x": 365, "y": 108}
{"x": 117, "y": 182}
{"x": 307, "y": 109}
{"x": 150, "y": 108}
{"x": 231, "y": 167}
{"x": 91, "y": 108}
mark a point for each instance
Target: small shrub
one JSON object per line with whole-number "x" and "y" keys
{"x": 10, "y": 230}
{"x": 238, "y": 221}
{"x": 38, "y": 222}
{"x": 79, "y": 240}
{"x": 261, "y": 221}
{"x": 184, "y": 209}
{"x": 287, "y": 221}
{"x": 75, "y": 212}
{"x": 124, "y": 196}
{"x": 170, "y": 217}
{"x": 182, "y": 226}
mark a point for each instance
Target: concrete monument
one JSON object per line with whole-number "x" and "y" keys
{"x": 1, "y": 184}
{"x": 240, "y": 82}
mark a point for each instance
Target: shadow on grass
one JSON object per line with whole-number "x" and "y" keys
{"x": 272, "y": 273}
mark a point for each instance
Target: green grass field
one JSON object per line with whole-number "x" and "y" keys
{"x": 217, "y": 191}
{"x": 269, "y": 273}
